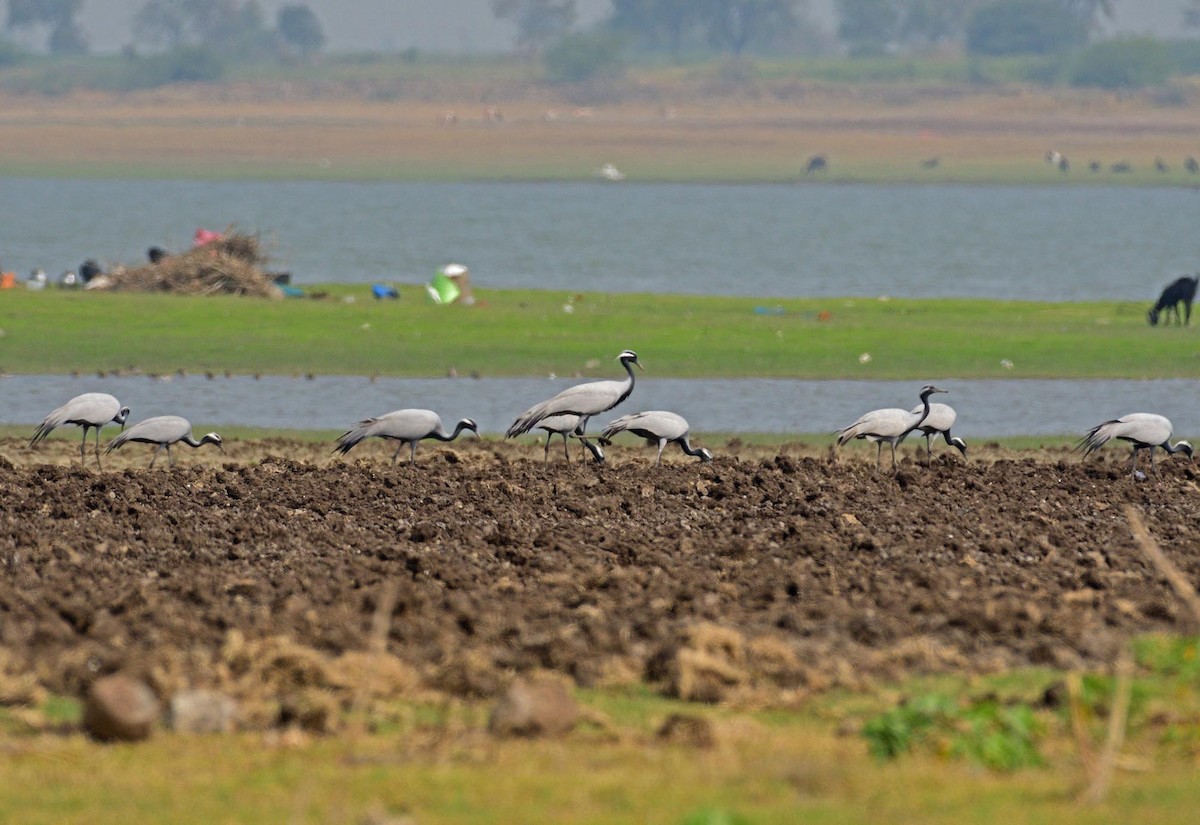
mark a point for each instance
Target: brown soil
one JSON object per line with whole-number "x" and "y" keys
{"x": 767, "y": 575}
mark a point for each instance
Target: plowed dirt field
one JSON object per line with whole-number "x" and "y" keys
{"x": 773, "y": 573}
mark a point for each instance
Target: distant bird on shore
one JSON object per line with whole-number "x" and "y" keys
{"x": 816, "y": 163}
{"x": 939, "y": 421}
{"x": 163, "y": 430}
{"x": 565, "y": 426}
{"x": 583, "y": 400}
{"x": 889, "y": 425}
{"x": 658, "y": 427}
{"x": 406, "y": 426}
{"x": 92, "y": 409}
{"x": 1144, "y": 431}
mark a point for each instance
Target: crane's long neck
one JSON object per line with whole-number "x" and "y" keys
{"x": 1176, "y": 448}
{"x": 687, "y": 447}
{"x": 442, "y": 436}
{"x": 629, "y": 388}
{"x": 924, "y": 413}
{"x": 192, "y": 442}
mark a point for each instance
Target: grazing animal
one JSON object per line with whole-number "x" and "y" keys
{"x": 1053, "y": 157}
{"x": 92, "y": 409}
{"x": 1064, "y": 165}
{"x": 1144, "y": 431}
{"x": 583, "y": 400}
{"x": 1190, "y": 164}
{"x": 1180, "y": 291}
{"x": 891, "y": 425}
{"x": 565, "y": 426}
{"x": 817, "y": 163}
{"x": 1094, "y": 166}
{"x": 1160, "y": 165}
{"x": 1120, "y": 167}
{"x": 657, "y": 427}
{"x": 406, "y": 426}
{"x": 163, "y": 430}
{"x": 939, "y": 421}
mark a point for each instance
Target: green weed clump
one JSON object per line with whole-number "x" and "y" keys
{"x": 999, "y": 737}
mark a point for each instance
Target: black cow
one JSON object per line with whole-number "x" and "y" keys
{"x": 1180, "y": 291}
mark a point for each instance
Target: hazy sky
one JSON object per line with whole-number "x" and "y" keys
{"x": 456, "y": 26}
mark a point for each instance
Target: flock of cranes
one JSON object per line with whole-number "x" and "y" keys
{"x": 568, "y": 413}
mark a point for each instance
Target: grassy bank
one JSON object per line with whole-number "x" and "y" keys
{"x": 434, "y": 763}
{"x": 524, "y": 332}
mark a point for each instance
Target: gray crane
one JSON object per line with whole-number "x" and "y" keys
{"x": 90, "y": 410}
{"x": 565, "y": 425}
{"x": 163, "y": 430}
{"x": 1144, "y": 431}
{"x": 658, "y": 427}
{"x": 583, "y": 400}
{"x": 939, "y": 421}
{"x": 891, "y": 424}
{"x": 406, "y": 426}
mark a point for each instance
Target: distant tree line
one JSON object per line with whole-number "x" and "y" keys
{"x": 234, "y": 28}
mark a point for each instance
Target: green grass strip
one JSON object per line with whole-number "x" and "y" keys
{"x": 528, "y": 332}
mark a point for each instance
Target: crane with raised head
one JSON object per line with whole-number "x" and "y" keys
{"x": 90, "y": 410}
{"x": 163, "y": 431}
{"x": 891, "y": 425}
{"x": 583, "y": 400}
{"x": 406, "y": 426}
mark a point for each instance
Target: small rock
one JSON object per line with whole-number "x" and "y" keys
{"x": 685, "y": 729}
{"x": 202, "y": 711}
{"x": 120, "y": 708}
{"x": 541, "y": 708}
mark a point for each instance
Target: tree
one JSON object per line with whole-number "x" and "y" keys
{"x": 868, "y": 27}
{"x": 300, "y": 28}
{"x": 1024, "y": 27}
{"x": 66, "y": 37}
{"x": 576, "y": 58}
{"x": 228, "y": 26}
{"x": 735, "y": 24}
{"x": 538, "y": 22}
{"x": 657, "y": 21}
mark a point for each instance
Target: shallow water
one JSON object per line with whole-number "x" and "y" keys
{"x": 1042, "y": 243}
{"x": 985, "y": 408}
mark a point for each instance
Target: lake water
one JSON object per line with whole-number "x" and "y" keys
{"x": 985, "y": 408}
{"x": 1044, "y": 243}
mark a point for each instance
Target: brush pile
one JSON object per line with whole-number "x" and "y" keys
{"x": 229, "y": 265}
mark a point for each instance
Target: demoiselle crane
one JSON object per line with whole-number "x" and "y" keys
{"x": 1144, "y": 431}
{"x": 565, "y": 425}
{"x": 92, "y": 409}
{"x": 939, "y": 421}
{"x": 891, "y": 424}
{"x": 583, "y": 400}
{"x": 406, "y": 426}
{"x": 163, "y": 430}
{"x": 658, "y": 427}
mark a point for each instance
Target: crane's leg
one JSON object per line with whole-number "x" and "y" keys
{"x": 546, "y": 449}
{"x": 662, "y": 442}
{"x": 412, "y": 455}
{"x": 566, "y": 449}
{"x": 878, "y": 455}
{"x": 154, "y": 456}
{"x": 396, "y": 454}
{"x": 928, "y": 451}
{"x": 83, "y": 447}
{"x": 893, "y": 443}
{"x": 98, "y": 463}
{"x": 170, "y": 458}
